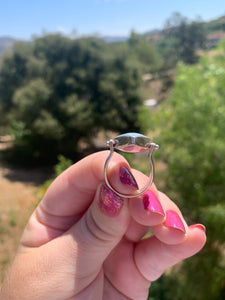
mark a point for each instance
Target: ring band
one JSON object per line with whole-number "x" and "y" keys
{"x": 131, "y": 143}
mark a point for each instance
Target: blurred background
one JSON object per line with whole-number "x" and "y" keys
{"x": 74, "y": 73}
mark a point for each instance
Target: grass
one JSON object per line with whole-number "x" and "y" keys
{"x": 12, "y": 218}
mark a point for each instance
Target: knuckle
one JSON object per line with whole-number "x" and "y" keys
{"x": 97, "y": 232}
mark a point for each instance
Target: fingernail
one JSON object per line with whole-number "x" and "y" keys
{"x": 151, "y": 203}
{"x": 199, "y": 226}
{"x": 109, "y": 203}
{"x": 173, "y": 220}
{"x": 127, "y": 178}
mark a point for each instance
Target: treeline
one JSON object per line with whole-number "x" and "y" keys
{"x": 56, "y": 92}
{"x": 215, "y": 25}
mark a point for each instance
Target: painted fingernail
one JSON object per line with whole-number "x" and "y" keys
{"x": 151, "y": 203}
{"x": 109, "y": 203}
{"x": 173, "y": 220}
{"x": 127, "y": 178}
{"x": 199, "y": 226}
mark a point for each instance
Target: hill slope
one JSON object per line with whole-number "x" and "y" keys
{"x": 6, "y": 43}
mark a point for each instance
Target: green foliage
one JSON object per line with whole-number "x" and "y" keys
{"x": 63, "y": 91}
{"x": 181, "y": 40}
{"x": 216, "y": 25}
{"x": 144, "y": 52}
{"x": 193, "y": 146}
{"x": 17, "y": 129}
{"x": 62, "y": 164}
{"x": 145, "y": 119}
{"x": 158, "y": 289}
{"x": 12, "y": 215}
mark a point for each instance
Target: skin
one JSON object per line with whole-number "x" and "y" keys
{"x": 71, "y": 249}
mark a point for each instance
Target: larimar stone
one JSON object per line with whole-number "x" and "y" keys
{"x": 132, "y": 142}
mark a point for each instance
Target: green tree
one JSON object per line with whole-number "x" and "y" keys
{"x": 13, "y": 73}
{"x": 193, "y": 146}
{"x": 144, "y": 52}
{"x": 63, "y": 91}
{"x": 182, "y": 38}
{"x": 147, "y": 55}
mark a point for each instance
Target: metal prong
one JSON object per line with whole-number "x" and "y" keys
{"x": 152, "y": 146}
{"x": 111, "y": 143}
{"x": 155, "y": 146}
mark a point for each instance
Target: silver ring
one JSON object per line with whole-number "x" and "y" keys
{"x": 131, "y": 143}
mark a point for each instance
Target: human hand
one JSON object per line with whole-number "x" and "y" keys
{"x": 84, "y": 242}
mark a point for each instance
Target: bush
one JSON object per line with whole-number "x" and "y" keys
{"x": 63, "y": 91}
{"x": 193, "y": 146}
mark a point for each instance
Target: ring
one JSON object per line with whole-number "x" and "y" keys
{"x": 131, "y": 143}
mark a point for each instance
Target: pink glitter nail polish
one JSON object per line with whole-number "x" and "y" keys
{"x": 127, "y": 178}
{"x": 173, "y": 220}
{"x": 109, "y": 203}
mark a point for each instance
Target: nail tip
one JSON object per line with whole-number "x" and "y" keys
{"x": 127, "y": 178}
{"x": 151, "y": 203}
{"x": 199, "y": 226}
{"x": 160, "y": 213}
{"x": 176, "y": 227}
{"x": 173, "y": 220}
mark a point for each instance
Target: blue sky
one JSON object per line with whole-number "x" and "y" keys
{"x": 23, "y": 18}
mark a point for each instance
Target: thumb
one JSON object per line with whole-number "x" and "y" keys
{"x": 99, "y": 230}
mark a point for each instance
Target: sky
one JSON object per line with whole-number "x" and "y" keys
{"x": 24, "y": 18}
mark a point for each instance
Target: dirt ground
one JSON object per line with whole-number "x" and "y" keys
{"x": 19, "y": 194}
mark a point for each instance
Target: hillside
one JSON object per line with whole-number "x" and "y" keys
{"x": 215, "y": 25}
{"x": 6, "y": 43}
{"x": 215, "y": 30}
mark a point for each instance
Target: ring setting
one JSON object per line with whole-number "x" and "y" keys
{"x": 131, "y": 143}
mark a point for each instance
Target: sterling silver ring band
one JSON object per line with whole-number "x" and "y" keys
{"x": 131, "y": 143}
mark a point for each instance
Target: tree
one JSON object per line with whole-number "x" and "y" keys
{"x": 62, "y": 91}
{"x": 193, "y": 146}
{"x": 182, "y": 38}
{"x": 144, "y": 53}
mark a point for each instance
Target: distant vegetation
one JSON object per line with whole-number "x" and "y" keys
{"x": 191, "y": 125}
{"x": 56, "y": 92}
{"x": 6, "y": 44}
{"x": 212, "y": 26}
{"x": 215, "y": 25}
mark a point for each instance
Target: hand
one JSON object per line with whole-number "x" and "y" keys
{"x": 84, "y": 242}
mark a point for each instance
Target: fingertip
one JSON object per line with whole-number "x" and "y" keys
{"x": 174, "y": 229}
{"x": 197, "y": 233}
{"x": 169, "y": 235}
